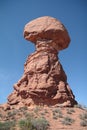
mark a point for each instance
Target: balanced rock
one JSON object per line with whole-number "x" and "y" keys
{"x": 47, "y": 28}
{"x": 44, "y": 81}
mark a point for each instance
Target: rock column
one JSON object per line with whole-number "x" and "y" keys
{"x": 44, "y": 81}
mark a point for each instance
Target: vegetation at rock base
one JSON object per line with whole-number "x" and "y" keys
{"x": 67, "y": 120}
{"x": 57, "y": 113}
{"x": 43, "y": 118}
{"x": 70, "y": 111}
{"x": 34, "y": 124}
{"x": 8, "y": 125}
{"x": 83, "y": 118}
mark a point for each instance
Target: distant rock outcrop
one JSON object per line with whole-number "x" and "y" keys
{"x": 44, "y": 81}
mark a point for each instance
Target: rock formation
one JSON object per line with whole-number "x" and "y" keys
{"x": 44, "y": 81}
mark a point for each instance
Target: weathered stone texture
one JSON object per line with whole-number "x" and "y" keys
{"x": 44, "y": 80}
{"x": 47, "y": 28}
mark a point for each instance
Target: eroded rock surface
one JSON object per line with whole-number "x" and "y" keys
{"x": 47, "y": 28}
{"x": 44, "y": 81}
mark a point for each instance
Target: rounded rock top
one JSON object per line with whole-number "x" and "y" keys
{"x": 47, "y": 28}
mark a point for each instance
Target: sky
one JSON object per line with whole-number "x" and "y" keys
{"x": 14, "y": 49}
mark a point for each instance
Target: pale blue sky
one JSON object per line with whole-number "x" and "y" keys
{"x": 14, "y": 49}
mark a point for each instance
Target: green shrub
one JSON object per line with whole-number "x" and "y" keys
{"x": 79, "y": 106}
{"x": 83, "y": 116}
{"x": 33, "y": 124}
{"x": 1, "y": 115}
{"x": 7, "y": 125}
{"x": 57, "y": 114}
{"x": 12, "y": 113}
{"x": 40, "y": 124}
{"x": 70, "y": 111}
{"x": 36, "y": 109}
{"x": 67, "y": 120}
{"x": 25, "y": 124}
{"x": 83, "y": 123}
{"x": 42, "y": 113}
{"x": 45, "y": 111}
{"x": 23, "y": 108}
{"x": 57, "y": 110}
{"x": 85, "y": 107}
{"x": 55, "y": 117}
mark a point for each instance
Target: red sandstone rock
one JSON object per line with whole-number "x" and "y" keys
{"x": 47, "y": 28}
{"x": 44, "y": 80}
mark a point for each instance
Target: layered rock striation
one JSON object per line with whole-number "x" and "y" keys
{"x": 44, "y": 81}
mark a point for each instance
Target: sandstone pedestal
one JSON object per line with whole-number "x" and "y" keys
{"x": 44, "y": 81}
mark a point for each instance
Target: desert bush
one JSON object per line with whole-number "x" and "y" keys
{"x": 83, "y": 116}
{"x": 70, "y": 111}
{"x": 79, "y": 106}
{"x": 42, "y": 113}
{"x": 12, "y": 113}
{"x": 40, "y": 124}
{"x": 32, "y": 123}
{"x": 28, "y": 115}
{"x": 36, "y": 109}
{"x": 83, "y": 123}
{"x": 25, "y": 124}
{"x": 1, "y": 115}
{"x": 57, "y": 110}
{"x": 85, "y": 107}
{"x": 55, "y": 117}
{"x": 23, "y": 108}
{"x": 57, "y": 113}
{"x": 45, "y": 111}
{"x": 67, "y": 120}
{"x": 7, "y": 125}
